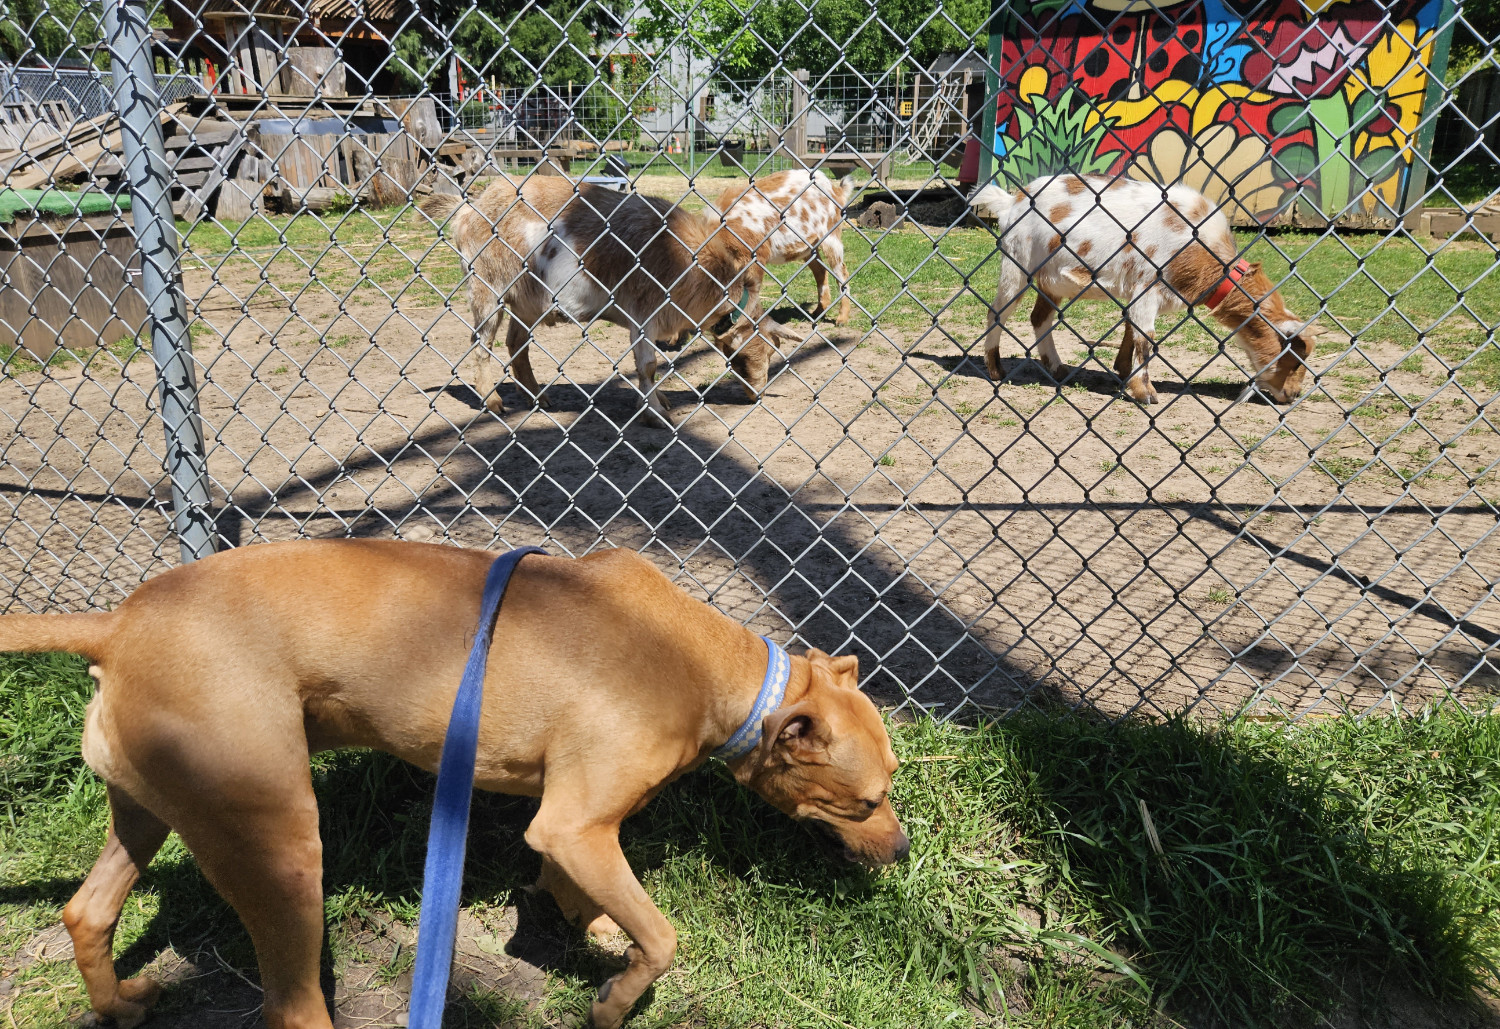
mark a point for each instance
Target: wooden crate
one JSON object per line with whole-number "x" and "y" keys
{"x": 76, "y": 274}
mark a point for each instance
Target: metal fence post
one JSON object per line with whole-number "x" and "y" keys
{"x": 139, "y": 105}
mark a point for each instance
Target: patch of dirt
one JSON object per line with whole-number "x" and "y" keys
{"x": 974, "y": 543}
{"x": 1399, "y": 1006}
{"x": 493, "y": 971}
{"x": 940, "y": 207}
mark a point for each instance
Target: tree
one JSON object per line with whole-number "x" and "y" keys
{"x": 748, "y": 38}
{"x": 32, "y": 30}
{"x": 513, "y": 42}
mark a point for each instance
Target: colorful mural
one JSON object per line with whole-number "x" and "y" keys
{"x": 1279, "y": 109}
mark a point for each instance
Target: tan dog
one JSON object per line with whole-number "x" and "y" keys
{"x": 1153, "y": 251}
{"x": 794, "y": 216}
{"x": 552, "y": 250}
{"x": 217, "y": 680}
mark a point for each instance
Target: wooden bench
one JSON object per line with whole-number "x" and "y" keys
{"x": 841, "y": 163}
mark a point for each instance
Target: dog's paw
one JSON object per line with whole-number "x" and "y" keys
{"x": 132, "y": 1002}
{"x": 605, "y": 1015}
{"x": 604, "y": 929}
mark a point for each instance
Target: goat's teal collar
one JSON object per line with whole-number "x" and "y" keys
{"x": 772, "y": 692}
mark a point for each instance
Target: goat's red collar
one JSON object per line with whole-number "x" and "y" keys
{"x": 1237, "y": 271}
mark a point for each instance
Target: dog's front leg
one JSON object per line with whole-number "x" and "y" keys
{"x": 589, "y": 856}
{"x": 576, "y": 906}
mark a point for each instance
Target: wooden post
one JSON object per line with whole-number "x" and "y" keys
{"x": 797, "y": 132}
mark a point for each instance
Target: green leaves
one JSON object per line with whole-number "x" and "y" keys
{"x": 750, "y": 39}
{"x": 1053, "y": 140}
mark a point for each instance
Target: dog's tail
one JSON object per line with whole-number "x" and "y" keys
{"x": 992, "y": 202}
{"x": 87, "y": 634}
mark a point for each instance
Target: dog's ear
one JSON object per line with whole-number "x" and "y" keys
{"x": 796, "y": 732}
{"x": 845, "y": 670}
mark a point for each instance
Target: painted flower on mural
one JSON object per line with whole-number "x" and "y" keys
{"x": 1217, "y": 163}
{"x": 1057, "y": 136}
{"x": 1306, "y": 101}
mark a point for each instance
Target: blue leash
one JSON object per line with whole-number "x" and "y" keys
{"x": 444, "y": 874}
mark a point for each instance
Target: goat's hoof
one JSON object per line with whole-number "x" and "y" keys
{"x": 992, "y": 367}
{"x": 659, "y": 418}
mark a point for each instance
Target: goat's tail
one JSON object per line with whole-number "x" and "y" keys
{"x": 992, "y": 202}
{"x": 843, "y": 189}
{"x": 440, "y": 206}
{"x": 86, "y": 633}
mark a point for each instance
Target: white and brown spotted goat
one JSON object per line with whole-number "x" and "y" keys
{"x": 795, "y": 216}
{"x": 1153, "y": 251}
{"x": 551, "y": 250}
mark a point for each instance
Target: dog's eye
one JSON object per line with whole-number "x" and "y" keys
{"x": 871, "y": 805}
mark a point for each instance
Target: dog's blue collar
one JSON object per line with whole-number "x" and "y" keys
{"x": 772, "y": 692}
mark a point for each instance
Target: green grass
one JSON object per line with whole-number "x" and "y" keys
{"x": 1296, "y": 864}
{"x": 1378, "y": 290}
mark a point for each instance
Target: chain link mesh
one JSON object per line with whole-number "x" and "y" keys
{"x": 981, "y": 538}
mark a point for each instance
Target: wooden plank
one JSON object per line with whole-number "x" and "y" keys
{"x": 214, "y": 180}
{"x": 203, "y": 162}
{"x": 76, "y": 282}
{"x": 214, "y": 137}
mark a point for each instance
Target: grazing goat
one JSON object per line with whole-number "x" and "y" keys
{"x": 551, "y": 250}
{"x": 1152, "y": 250}
{"x": 791, "y": 217}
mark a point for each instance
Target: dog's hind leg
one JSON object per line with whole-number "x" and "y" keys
{"x": 135, "y": 835}
{"x": 255, "y": 836}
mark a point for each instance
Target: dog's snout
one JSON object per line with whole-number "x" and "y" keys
{"x": 903, "y": 848}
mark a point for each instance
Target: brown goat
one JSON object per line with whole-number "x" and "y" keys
{"x": 551, "y": 250}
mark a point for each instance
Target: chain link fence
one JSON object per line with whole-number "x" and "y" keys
{"x": 225, "y": 321}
